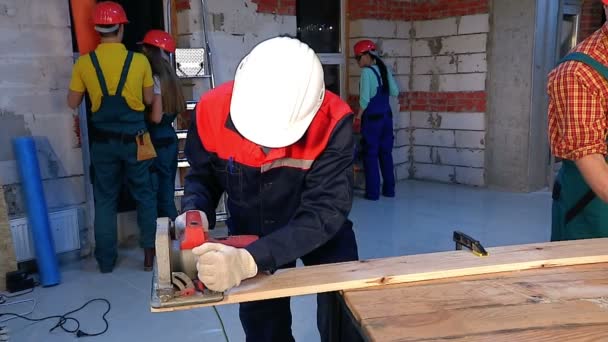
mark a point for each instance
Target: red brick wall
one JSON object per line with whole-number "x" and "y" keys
{"x": 407, "y": 11}
{"x": 414, "y": 10}
{"x": 456, "y": 102}
{"x": 591, "y": 18}
{"x": 281, "y": 7}
{"x": 389, "y": 9}
{"x": 424, "y": 10}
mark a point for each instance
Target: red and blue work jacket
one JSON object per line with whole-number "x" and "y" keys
{"x": 295, "y": 198}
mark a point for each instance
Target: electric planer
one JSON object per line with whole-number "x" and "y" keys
{"x": 174, "y": 280}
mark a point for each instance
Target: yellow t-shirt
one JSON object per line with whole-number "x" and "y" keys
{"x": 111, "y": 58}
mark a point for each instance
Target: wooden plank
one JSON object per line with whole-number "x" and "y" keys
{"x": 483, "y": 320}
{"x": 532, "y": 286}
{"x": 363, "y": 274}
{"x": 8, "y": 261}
{"x": 570, "y": 333}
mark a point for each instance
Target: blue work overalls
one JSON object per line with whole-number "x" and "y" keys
{"x": 164, "y": 168}
{"x": 114, "y": 128}
{"x": 577, "y": 213}
{"x": 377, "y": 144}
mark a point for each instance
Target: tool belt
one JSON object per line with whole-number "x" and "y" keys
{"x": 145, "y": 148}
{"x": 98, "y": 135}
{"x": 578, "y": 206}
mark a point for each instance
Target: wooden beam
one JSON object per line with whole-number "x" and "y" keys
{"x": 413, "y": 268}
{"x": 8, "y": 262}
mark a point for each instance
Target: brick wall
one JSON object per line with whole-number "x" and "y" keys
{"x": 437, "y": 52}
{"x": 436, "y": 49}
{"x": 591, "y": 18}
{"x": 280, "y": 7}
{"x": 388, "y": 9}
{"x": 414, "y": 10}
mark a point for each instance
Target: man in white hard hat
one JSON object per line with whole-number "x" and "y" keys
{"x": 281, "y": 146}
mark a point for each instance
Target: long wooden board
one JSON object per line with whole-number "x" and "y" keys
{"x": 413, "y": 268}
{"x": 532, "y": 305}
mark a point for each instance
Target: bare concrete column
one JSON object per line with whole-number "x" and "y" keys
{"x": 521, "y": 51}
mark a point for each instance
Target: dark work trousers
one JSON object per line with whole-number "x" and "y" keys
{"x": 270, "y": 320}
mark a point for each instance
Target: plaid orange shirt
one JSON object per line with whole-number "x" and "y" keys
{"x": 578, "y": 119}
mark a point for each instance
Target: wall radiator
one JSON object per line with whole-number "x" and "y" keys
{"x": 64, "y": 227}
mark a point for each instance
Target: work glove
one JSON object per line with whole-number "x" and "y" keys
{"x": 222, "y": 267}
{"x": 180, "y": 221}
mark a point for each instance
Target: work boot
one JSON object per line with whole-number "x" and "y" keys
{"x": 149, "y": 254}
{"x": 107, "y": 267}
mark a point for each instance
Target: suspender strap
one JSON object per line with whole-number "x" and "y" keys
{"x": 580, "y": 205}
{"x": 377, "y": 75}
{"x": 586, "y": 59}
{"x": 100, "y": 78}
{"x": 125, "y": 73}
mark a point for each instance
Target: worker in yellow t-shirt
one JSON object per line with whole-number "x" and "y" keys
{"x": 119, "y": 84}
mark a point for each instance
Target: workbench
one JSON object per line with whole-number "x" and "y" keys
{"x": 550, "y": 291}
{"x": 567, "y": 303}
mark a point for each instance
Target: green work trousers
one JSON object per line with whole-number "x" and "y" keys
{"x": 113, "y": 161}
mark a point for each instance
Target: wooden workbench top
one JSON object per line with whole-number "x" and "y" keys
{"x": 557, "y": 304}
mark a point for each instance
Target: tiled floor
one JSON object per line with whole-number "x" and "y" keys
{"x": 420, "y": 220}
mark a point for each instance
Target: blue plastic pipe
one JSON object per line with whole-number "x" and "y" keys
{"x": 37, "y": 213}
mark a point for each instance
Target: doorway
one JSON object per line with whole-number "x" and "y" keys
{"x": 143, "y": 16}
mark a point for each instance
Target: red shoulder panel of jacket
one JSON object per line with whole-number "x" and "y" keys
{"x": 212, "y": 114}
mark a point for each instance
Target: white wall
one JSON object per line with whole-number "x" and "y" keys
{"x": 234, "y": 29}
{"x": 440, "y": 56}
{"x": 35, "y": 64}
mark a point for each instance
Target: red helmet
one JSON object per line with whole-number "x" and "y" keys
{"x": 364, "y": 46}
{"x": 109, "y": 13}
{"x": 160, "y": 39}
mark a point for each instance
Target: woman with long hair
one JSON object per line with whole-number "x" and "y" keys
{"x": 167, "y": 104}
{"x": 376, "y": 86}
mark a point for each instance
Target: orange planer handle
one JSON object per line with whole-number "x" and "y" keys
{"x": 195, "y": 235}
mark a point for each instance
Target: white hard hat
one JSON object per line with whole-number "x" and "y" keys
{"x": 278, "y": 89}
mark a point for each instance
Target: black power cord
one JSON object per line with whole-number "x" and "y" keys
{"x": 64, "y": 319}
{"x": 219, "y": 317}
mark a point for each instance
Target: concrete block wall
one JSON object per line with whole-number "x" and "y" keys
{"x": 35, "y": 63}
{"x": 437, "y": 52}
{"x": 234, "y": 29}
